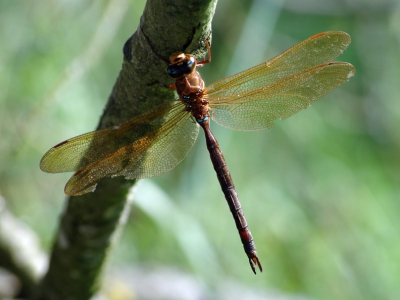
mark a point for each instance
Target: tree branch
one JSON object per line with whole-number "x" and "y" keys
{"x": 20, "y": 252}
{"x": 90, "y": 222}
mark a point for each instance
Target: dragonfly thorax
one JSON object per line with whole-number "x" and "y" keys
{"x": 198, "y": 107}
{"x": 190, "y": 89}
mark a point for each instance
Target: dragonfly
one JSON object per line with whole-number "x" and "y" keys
{"x": 156, "y": 141}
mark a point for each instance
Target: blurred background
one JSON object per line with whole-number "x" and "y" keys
{"x": 320, "y": 190}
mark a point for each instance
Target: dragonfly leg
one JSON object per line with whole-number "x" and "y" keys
{"x": 205, "y": 61}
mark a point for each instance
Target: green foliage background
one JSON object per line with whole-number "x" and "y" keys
{"x": 319, "y": 190}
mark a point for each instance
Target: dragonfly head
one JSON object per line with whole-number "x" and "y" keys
{"x": 181, "y": 64}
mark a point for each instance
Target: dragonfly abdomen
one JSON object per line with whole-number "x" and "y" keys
{"x": 231, "y": 196}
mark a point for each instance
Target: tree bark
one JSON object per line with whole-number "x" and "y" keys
{"x": 90, "y": 223}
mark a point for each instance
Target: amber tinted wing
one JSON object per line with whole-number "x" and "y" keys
{"x": 145, "y": 146}
{"x": 282, "y": 86}
{"x": 257, "y": 109}
{"x": 318, "y": 49}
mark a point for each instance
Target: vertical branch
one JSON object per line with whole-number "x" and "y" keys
{"x": 90, "y": 223}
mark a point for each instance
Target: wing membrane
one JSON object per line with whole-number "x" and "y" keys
{"x": 318, "y": 49}
{"x": 146, "y": 146}
{"x": 76, "y": 153}
{"x": 257, "y": 109}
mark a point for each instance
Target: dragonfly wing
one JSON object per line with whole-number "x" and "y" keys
{"x": 318, "y": 49}
{"x": 78, "y": 152}
{"x": 145, "y": 146}
{"x": 256, "y": 109}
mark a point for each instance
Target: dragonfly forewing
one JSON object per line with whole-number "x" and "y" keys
{"x": 78, "y": 152}
{"x": 318, "y": 49}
